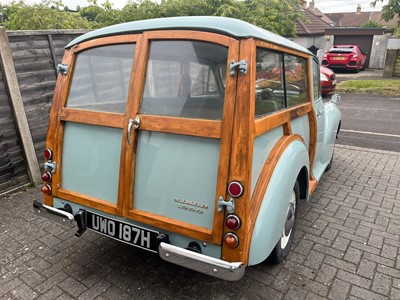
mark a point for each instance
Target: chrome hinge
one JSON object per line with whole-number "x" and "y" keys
{"x": 50, "y": 166}
{"x": 242, "y": 65}
{"x": 230, "y": 205}
{"x": 62, "y": 69}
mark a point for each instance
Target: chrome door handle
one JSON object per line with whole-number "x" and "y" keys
{"x": 132, "y": 123}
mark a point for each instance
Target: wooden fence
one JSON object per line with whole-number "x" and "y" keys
{"x": 28, "y": 71}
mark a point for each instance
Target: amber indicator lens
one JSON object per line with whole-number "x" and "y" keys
{"x": 46, "y": 189}
{"x": 231, "y": 240}
{"x": 46, "y": 176}
{"x": 232, "y": 222}
{"x": 48, "y": 154}
{"x": 235, "y": 189}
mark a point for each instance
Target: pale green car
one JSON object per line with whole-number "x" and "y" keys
{"x": 191, "y": 137}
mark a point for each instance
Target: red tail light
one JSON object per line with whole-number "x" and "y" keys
{"x": 231, "y": 240}
{"x": 235, "y": 189}
{"x": 48, "y": 154}
{"x": 46, "y": 189}
{"x": 232, "y": 222}
{"x": 46, "y": 176}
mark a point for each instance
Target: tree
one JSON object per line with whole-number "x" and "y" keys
{"x": 108, "y": 16}
{"x": 390, "y": 10}
{"x": 44, "y": 15}
{"x": 371, "y": 24}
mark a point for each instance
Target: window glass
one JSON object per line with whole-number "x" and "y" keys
{"x": 316, "y": 80}
{"x": 183, "y": 79}
{"x": 296, "y": 80}
{"x": 101, "y": 78}
{"x": 270, "y": 95}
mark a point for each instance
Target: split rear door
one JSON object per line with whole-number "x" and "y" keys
{"x": 145, "y": 128}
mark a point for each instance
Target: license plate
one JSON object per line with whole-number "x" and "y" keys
{"x": 339, "y": 58}
{"x": 124, "y": 232}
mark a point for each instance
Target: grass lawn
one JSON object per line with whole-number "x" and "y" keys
{"x": 380, "y": 87}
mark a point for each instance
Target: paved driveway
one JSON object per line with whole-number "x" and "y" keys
{"x": 346, "y": 247}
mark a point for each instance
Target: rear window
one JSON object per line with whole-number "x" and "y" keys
{"x": 101, "y": 78}
{"x": 342, "y": 50}
{"x": 185, "y": 79}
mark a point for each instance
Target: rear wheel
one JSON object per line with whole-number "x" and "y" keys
{"x": 284, "y": 244}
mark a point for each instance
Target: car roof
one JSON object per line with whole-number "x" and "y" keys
{"x": 344, "y": 46}
{"x": 232, "y": 27}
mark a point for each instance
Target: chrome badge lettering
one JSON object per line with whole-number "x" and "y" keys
{"x": 188, "y": 205}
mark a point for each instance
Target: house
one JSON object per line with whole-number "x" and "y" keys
{"x": 311, "y": 31}
{"x": 359, "y": 18}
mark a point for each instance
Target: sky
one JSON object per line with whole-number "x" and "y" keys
{"x": 326, "y": 6}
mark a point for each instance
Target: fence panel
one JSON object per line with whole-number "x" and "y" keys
{"x": 35, "y": 55}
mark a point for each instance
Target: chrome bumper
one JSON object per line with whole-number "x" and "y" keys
{"x": 201, "y": 263}
{"x": 173, "y": 254}
{"x": 54, "y": 214}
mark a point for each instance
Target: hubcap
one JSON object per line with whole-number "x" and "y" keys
{"x": 289, "y": 223}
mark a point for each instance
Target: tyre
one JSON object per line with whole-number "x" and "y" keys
{"x": 284, "y": 244}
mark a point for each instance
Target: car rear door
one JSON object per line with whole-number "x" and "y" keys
{"x": 178, "y": 133}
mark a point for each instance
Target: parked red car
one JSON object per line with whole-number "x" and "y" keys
{"x": 345, "y": 57}
{"x": 328, "y": 79}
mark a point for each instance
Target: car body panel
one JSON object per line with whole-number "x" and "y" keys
{"x": 162, "y": 185}
{"x": 268, "y": 226}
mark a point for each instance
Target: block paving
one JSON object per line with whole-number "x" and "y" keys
{"x": 346, "y": 247}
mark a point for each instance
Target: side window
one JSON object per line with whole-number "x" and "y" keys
{"x": 316, "y": 80}
{"x": 296, "y": 80}
{"x": 269, "y": 82}
{"x": 101, "y": 78}
{"x": 183, "y": 80}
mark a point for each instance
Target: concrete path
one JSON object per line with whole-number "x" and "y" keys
{"x": 346, "y": 247}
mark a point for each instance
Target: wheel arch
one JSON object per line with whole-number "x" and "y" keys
{"x": 292, "y": 165}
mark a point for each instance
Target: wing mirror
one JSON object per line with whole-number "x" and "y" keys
{"x": 335, "y": 98}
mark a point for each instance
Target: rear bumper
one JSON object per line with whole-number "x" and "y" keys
{"x": 341, "y": 66}
{"x": 176, "y": 255}
{"x": 54, "y": 214}
{"x": 202, "y": 263}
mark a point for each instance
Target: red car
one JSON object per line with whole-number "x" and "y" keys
{"x": 345, "y": 57}
{"x": 328, "y": 79}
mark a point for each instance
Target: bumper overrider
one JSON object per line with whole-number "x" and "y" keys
{"x": 230, "y": 271}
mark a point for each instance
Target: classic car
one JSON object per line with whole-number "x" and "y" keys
{"x": 194, "y": 138}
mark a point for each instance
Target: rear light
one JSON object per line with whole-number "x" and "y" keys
{"x": 232, "y": 222}
{"x": 231, "y": 240}
{"x": 235, "y": 189}
{"x": 46, "y": 189}
{"x": 46, "y": 176}
{"x": 48, "y": 154}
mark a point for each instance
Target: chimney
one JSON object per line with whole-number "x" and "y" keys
{"x": 312, "y": 4}
{"x": 358, "y": 9}
{"x": 303, "y": 3}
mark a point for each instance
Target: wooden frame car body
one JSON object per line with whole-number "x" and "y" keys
{"x": 168, "y": 170}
